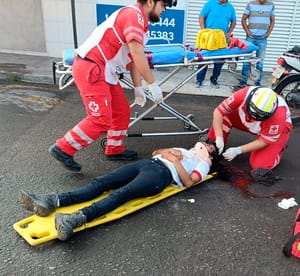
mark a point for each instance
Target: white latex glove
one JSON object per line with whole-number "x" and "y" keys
{"x": 220, "y": 144}
{"x": 139, "y": 96}
{"x": 287, "y": 203}
{"x": 156, "y": 92}
{"x": 231, "y": 153}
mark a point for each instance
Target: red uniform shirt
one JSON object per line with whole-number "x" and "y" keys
{"x": 269, "y": 130}
{"x": 130, "y": 24}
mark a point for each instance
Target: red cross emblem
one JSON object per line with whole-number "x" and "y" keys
{"x": 274, "y": 129}
{"x": 93, "y": 106}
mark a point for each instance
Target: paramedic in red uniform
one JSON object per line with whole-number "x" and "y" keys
{"x": 261, "y": 112}
{"x": 115, "y": 46}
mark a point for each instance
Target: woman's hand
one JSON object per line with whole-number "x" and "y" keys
{"x": 170, "y": 157}
{"x": 176, "y": 153}
{"x": 170, "y": 153}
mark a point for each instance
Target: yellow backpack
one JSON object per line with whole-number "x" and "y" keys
{"x": 210, "y": 39}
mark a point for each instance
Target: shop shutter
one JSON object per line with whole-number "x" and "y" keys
{"x": 285, "y": 35}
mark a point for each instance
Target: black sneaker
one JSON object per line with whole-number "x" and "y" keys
{"x": 65, "y": 159}
{"x": 242, "y": 84}
{"x": 214, "y": 83}
{"x": 257, "y": 83}
{"x": 264, "y": 176}
{"x": 126, "y": 155}
{"x": 199, "y": 84}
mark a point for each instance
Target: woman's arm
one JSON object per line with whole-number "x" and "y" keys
{"x": 172, "y": 151}
{"x": 187, "y": 180}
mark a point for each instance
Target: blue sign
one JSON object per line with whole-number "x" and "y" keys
{"x": 168, "y": 30}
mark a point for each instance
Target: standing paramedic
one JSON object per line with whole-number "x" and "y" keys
{"x": 260, "y": 15}
{"x": 261, "y": 112}
{"x": 114, "y": 46}
{"x": 216, "y": 14}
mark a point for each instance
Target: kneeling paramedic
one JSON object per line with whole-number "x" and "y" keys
{"x": 261, "y": 112}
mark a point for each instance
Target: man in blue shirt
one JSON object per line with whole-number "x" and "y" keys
{"x": 260, "y": 15}
{"x": 216, "y": 14}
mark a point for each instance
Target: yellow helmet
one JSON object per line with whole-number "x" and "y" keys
{"x": 261, "y": 103}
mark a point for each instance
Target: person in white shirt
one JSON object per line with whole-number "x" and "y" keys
{"x": 147, "y": 177}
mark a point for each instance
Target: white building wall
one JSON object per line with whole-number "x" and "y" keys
{"x": 21, "y": 27}
{"x": 86, "y": 18}
{"x": 57, "y": 26}
{"x": 285, "y": 35}
{"x": 59, "y": 30}
{"x": 58, "y": 21}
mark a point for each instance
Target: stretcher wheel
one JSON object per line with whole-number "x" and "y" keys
{"x": 186, "y": 125}
{"x": 232, "y": 67}
{"x": 253, "y": 74}
{"x": 103, "y": 143}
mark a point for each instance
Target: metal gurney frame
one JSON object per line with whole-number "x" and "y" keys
{"x": 65, "y": 80}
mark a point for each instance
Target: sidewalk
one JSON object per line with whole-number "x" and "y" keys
{"x": 38, "y": 69}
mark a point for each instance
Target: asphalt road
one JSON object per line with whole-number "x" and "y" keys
{"x": 221, "y": 233}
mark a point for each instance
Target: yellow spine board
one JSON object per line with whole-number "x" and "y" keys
{"x": 37, "y": 230}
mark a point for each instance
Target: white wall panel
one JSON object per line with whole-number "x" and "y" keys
{"x": 285, "y": 35}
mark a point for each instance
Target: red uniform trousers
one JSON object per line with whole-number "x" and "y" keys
{"x": 268, "y": 157}
{"x": 107, "y": 110}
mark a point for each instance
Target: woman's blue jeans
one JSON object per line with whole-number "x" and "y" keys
{"x": 138, "y": 179}
{"x": 260, "y": 53}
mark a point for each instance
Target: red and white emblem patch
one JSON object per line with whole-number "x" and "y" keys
{"x": 93, "y": 106}
{"x": 140, "y": 20}
{"x": 274, "y": 129}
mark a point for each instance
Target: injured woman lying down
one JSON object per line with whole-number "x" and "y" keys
{"x": 143, "y": 178}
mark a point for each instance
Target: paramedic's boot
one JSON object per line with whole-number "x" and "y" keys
{"x": 264, "y": 176}
{"x": 127, "y": 155}
{"x": 65, "y": 159}
{"x": 65, "y": 223}
{"x": 41, "y": 205}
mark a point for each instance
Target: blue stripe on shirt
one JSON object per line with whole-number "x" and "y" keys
{"x": 259, "y": 17}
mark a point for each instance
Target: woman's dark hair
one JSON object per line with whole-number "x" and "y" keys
{"x": 223, "y": 171}
{"x": 218, "y": 166}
